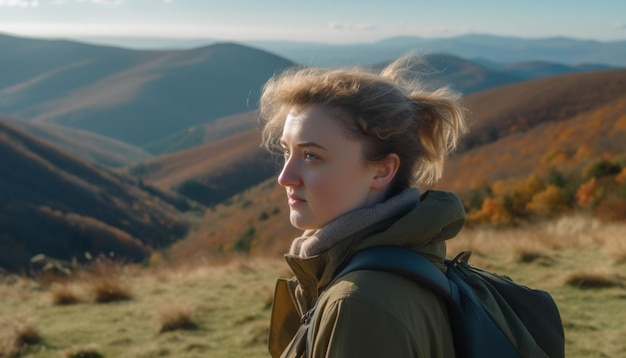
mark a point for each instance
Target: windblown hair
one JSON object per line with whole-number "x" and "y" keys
{"x": 388, "y": 112}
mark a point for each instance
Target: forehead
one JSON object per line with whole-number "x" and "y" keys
{"x": 312, "y": 121}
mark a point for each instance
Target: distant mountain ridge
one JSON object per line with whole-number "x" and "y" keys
{"x": 499, "y": 49}
{"x": 496, "y": 48}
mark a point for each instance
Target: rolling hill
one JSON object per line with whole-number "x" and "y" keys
{"x": 462, "y": 75}
{"x": 205, "y": 133}
{"x": 212, "y": 172}
{"x": 556, "y": 128}
{"x": 55, "y": 204}
{"x": 138, "y": 97}
{"x": 519, "y": 107}
{"x": 90, "y": 146}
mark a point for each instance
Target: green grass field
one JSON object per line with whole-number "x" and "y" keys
{"x": 207, "y": 310}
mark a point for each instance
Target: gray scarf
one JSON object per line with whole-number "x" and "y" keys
{"x": 314, "y": 242}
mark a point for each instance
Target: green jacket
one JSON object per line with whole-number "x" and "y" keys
{"x": 371, "y": 313}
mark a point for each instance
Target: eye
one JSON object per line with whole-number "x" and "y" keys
{"x": 310, "y": 156}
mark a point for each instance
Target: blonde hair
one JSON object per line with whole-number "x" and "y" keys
{"x": 388, "y": 112}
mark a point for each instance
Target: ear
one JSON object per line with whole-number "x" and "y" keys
{"x": 384, "y": 171}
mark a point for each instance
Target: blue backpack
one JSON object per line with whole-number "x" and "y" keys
{"x": 491, "y": 316}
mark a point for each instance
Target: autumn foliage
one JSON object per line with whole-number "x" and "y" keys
{"x": 598, "y": 188}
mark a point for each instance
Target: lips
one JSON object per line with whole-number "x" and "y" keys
{"x": 293, "y": 199}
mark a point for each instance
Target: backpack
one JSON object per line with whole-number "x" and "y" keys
{"x": 490, "y": 315}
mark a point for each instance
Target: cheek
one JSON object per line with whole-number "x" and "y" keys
{"x": 340, "y": 191}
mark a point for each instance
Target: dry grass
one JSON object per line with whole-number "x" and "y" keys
{"x": 593, "y": 280}
{"x": 65, "y": 294}
{"x": 87, "y": 351}
{"x": 177, "y": 316}
{"x": 105, "y": 289}
{"x": 102, "y": 281}
{"x": 17, "y": 335}
{"x": 227, "y": 303}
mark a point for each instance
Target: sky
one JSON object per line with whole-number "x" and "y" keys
{"x": 326, "y": 21}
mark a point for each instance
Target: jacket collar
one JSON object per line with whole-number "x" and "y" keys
{"x": 424, "y": 229}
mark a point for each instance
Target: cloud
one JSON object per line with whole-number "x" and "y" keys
{"x": 343, "y": 26}
{"x": 108, "y": 2}
{"x": 19, "y": 3}
{"x": 619, "y": 25}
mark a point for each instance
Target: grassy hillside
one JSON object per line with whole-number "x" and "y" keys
{"x": 92, "y": 147}
{"x": 210, "y": 309}
{"x": 55, "y": 204}
{"x": 519, "y": 107}
{"x": 567, "y": 132}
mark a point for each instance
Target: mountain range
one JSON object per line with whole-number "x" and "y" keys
{"x": 148, "y": 98}
{"x": 493, "y": 48}
{"x": 138, "y": 97}
{"x": 126, "y": 152}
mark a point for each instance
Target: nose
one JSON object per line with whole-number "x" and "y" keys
{"x": 289, "y": 175}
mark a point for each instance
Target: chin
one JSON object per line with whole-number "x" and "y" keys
{"x": 301, "y": 223}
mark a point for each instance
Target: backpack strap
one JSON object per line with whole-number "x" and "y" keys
{"x": 475, "y": 334}
{"x": 402, "y": 262}
{"x": 393, "y": 259}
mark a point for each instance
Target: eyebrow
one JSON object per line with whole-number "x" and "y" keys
{"x": 304, "y": 145}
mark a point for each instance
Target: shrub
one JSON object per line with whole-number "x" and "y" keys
{"x": 549, "y": 201}
{"x": 475, "y": 197}
{"x": 592, "y": 280}
{"x": 491, "y": 212}
{"x": 601, "y": 168}
{"x": 177, "y": 317}
{"x": 263, "y": 216}
{"x": 64, "y": 294}
{"x": 586, "y": 193}
{"x": 107, "y": 289}
{"x": 17, "y": 334}
{"x": 523, "y": 193}
{"x": 105, "y": 283}
{"x": 244, "y": 243}
{"x": 88, "y": 351}
{"x": 533, "y": 255}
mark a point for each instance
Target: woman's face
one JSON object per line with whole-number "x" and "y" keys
{"x": 324, "y": 174}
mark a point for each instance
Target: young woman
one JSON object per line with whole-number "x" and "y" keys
{"x": 356, "y": 145}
